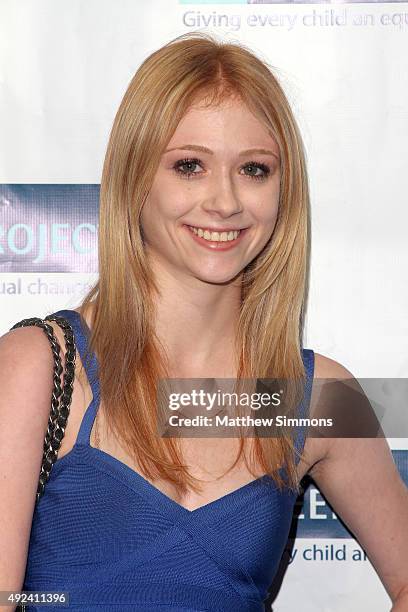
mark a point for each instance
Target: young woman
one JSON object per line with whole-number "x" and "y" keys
{"x": 203, "y": 253}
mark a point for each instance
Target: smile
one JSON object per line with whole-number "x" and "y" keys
{"x": 213, "y": 240}
{"x": 212, "y": 236}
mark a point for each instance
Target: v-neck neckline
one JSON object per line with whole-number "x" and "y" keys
{"x": 151, "y": 491}
{"x": 123, "y": 472}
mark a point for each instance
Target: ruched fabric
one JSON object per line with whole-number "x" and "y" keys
{"x": 113, "y": 541}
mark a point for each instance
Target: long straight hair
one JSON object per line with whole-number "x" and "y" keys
{"x": 191, "y": 68}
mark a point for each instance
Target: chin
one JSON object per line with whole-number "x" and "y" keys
{"x": 217, "y": 278}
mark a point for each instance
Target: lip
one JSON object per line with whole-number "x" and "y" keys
{"x": 217, "y": 246}
{"x": 217, "y": 229}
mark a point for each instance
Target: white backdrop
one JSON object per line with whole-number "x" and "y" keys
{"x": 65, "y": 65}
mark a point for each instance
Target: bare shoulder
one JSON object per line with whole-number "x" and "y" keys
{"x": 26, "y": 380}
{"x": 317, "y": 449}
{"x": 325, "y": 367}
{"x": 356, "y": 475}
{"x": 25, "y": 354}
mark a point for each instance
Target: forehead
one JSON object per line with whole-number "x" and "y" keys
{"x": 229, "y": 121}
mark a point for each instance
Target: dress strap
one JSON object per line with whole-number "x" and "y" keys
{"x": 309, "y": 363}
{"x": 90, "y": 363}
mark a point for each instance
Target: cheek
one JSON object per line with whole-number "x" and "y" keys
{"x": 145, "y": 216}
{"x": 148, "y": 220}
{"x": 267, "y": 218}
{"x": 163, "y": 206}
{"x": 274, "y": 217}
{"x": 267, "y": 215}
{"x": 159, "y": 214}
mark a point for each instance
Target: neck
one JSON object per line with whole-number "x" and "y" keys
{"x": 196, "y": 322}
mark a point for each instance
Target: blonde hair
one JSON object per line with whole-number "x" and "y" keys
{"x": 193, "y": 67}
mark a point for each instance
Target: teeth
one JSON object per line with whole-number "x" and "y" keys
{"x": 215, "y": 236}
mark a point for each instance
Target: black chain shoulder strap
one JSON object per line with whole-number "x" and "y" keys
{"x": 60, "y": 399}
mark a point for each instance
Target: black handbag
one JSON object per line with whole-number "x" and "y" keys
{"x": 60, "y": 400}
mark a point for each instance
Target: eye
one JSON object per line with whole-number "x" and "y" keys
{"x": 185, "y": 168}
{"x": 265, "y": 170}
{"x": 187, "y": 164}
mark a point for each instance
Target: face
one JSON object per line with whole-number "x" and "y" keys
{"x": 214, "y": 201}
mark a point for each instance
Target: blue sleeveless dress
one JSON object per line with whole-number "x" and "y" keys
{"x": 113, "y": 541}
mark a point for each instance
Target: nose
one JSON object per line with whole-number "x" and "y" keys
{"x": 223, "y": 199}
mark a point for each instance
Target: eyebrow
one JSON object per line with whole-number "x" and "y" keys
{"x": 192, "y": 147}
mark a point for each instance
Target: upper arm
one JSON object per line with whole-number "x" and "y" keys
{"x": 26, "y": 382}
{"x": 360, "y": 480}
